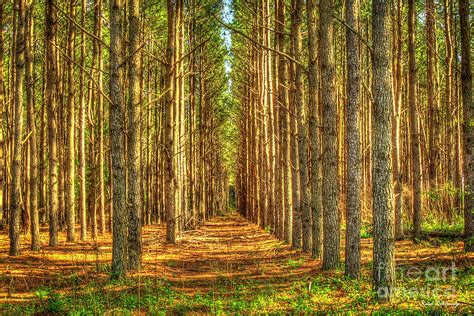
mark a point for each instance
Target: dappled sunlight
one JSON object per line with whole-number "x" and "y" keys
{"x": 223, "y": 254}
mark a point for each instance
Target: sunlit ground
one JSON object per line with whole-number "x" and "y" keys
{"x": 226, "y": 266}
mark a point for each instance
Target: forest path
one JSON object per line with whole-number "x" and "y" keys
{"x": 224, "y": 251}
{"x": 224, "y": 256}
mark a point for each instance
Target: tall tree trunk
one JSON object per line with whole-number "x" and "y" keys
{"x": 134, "y": 167}
{"x": 384, "y": 230}
{"x": 168, "y": 128}
{"x": 35, "y": 229}
{"x": 468, "y": 128}
{"x": 305, "y": 209}
{"x": 283, "y": 120}
{"x": 396, "y": 117}
{"x": 431, "y": 54}
{"x": 51, "y": 97}
{"x": 100, "y": 114}
{"x": 452, "y": 201}
{"x": 15, "y": 195}
{"x": 353, "y": 215}
{"x": 70, "y": 197}
{"x": 82, "y": 131}
{"x": 314, "y": 125}
{"x": 117, "y": 128}
{"x": 415, "y": 135}
{"x": 330, "y": 187}
{"x": 3, "y": 127}
{"x": 296, "y": 96}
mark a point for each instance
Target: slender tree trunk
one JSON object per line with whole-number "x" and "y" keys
{"x": 51, "y": 97}
{"x": 314, "y": 126}
{"x": 396, "y": 118}
{"x": 296, "y": 97}
{"x": 415, "y": 135}
{"x": 168, "y": 129}
{"x": 35, "y": 229}
{"x": 431, "y": 95}
{"x": 330, "y": 186}
{"x": 82, "y": 131}
{"x": 384, "y": 230}
{"x": 15, "y": 195}
{"x": 353, "y": 213}
{"x": 100, "y": 115}
{"x": 468, "y": 128}
{"x": 71, "y": 120}
{"x": 305, "y": 209}
{"x": 448, "y": 98}
{"x": 117, "y": 128}
{"x": 3, "y": 127}
{"x": 283, "y": 121}
{"x": 134, "y": 167}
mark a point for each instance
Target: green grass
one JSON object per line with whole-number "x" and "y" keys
{"x": 435, "y": 225}
{"x": 323, "y": 293}
{"x": 295, "y": 264}
{"x": 365, "y": 232}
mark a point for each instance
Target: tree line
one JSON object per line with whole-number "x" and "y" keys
{"x": 356, "y": 110}
{"x": 125, "y": 105}
{"x": 118, "y": 114}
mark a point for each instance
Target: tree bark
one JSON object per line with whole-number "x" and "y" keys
{"x": 15, "y": 194}
{"x": 117, "y": 129}
{"x": 330, "y": 186}
{"x": 70, "y": 196}
{"x": 82, "y": 131}
{"x": 314, "y": 129}
{"x": 51, "y": 97}
{"x": 168, "y": 128}
{"x": 134, "y": 167}
{"x": 384, "y": 230}
{"x": 415, "y": 135}
{"x": 353, "y": 213}
{"x": 468, "y": 128}
{"x": 295, "y": 97}
{"x": 35, "y": 229}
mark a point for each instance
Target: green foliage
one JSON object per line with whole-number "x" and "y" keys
{"x": 322, "y": 293}
{"x": 366, "y": 232}
{"x": 434, "y": 224}
{"x": 171, "y": 263}
{"x": 50, "y": 301}
{"x": 295, "y": 264}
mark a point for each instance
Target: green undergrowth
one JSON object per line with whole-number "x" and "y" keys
{"x": 321, "y": 293}
{"x": 435, "y": 225}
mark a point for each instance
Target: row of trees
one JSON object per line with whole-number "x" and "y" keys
{"x": 360, "y": 109}
{"x": 340, "y": 108}
{"x": 125, "y": 114}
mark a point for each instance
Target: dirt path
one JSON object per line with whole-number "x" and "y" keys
{"x": 225, "y": 249}
{"x": 225, "y": 253}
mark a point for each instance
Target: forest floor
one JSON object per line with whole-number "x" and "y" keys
{"x": 227, "y": 266}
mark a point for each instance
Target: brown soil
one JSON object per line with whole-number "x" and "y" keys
{"x": 225, "y": 248}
